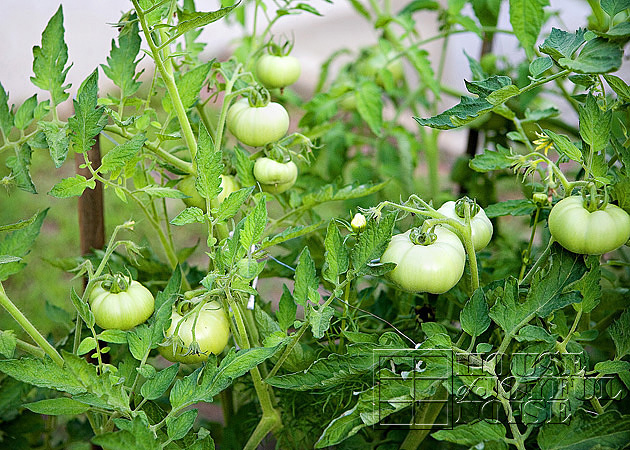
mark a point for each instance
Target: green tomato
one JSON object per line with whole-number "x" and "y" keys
{"x": 579, "y": 230}
{"x": 275, "y": 177}
{"x": 434, "y": 268}
{"x": 122, "y": 306}
{"x": 374, "y": 65}
{"x": 212, "y": 330}
{"x": 277, "y": 71}
{"x": 257, "y": 126}
{"x": 187, "y": 186}
{"x": 480, "y": 225}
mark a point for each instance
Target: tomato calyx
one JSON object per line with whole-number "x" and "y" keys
{"x": 419, "y": 237}
{"x": 279, "y": 50}
{"x": 116, "y": 284}
{"x": 259, "y": 97}
{"x": 593, "y": 201}
{"x": 460, "y": 207}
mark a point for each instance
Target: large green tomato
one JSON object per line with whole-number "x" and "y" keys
{"x": 257, "y": 126}
{"x": 434, "y": 268}
{"x": 275, "y": 177}
{"x": 579, "y": 230}
{"x": 187, "y": 186}
{"x": 277, "y": 71}
{"x": 480, "y": 225}
{"x": 212, "y": 331}
{"x": 121, "y": 305}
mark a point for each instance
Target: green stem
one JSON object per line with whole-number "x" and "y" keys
{"x": 430, "y": 411}
{"x": 542, "y": 259}
{"x": 528, "y": 252}
{"x": 169, "y": 82}
{"x": 33, "y": 332}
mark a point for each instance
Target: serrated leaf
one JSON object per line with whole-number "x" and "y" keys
{"x": 620, "y": 87}
{"x": 82, "y": 308}
{"x": 121, "y": 62}
{"x": 483, "y": 88}
{"x": 191, "y": 214}
{"x": 583, "y": 431}
{"x": 188, "y": 86}
{"x": 57, "y": 140}
{"x": 162, "y": 192}
{"x": 613, "y": 7}
{"x": 49, "y": 60}
{"x": 154, "y": 388}
{"x": 336, "y": 257}
{"x": 140, "y": 342}
{"x": 472, "y": 434}
{"x": 288, "y": 234}
{"x": 255, "y": 224}
{"x": 57, "y": 407}
{"x": 535, "y": 333}
{"x": 73, "y": 186}
{"x": 597, "y": 56}
{"x": 20, "y": 166}
{"x": 178, "y": 427}
{"x": 370, "y": 105}
{"x": 189, "y": 21}
{"x": 492, "y": 160}
{"x": 6, "y": 115}
{"x": 502, "y": 95}
{"x": 87, "y": 345}
{"x": 42, "y": 373}
{"x": 620, "y": 334}
{"x": 540, "y": 65}
{"x": 595, "y": 124}
{"x": 287, "y": 309}
{"x": 319, "y": 319}
{"x": 8, "y": 343}
{"x": 467, "y": 110}
{"x": 612, "y": 367}
{"x": 24, "y": 114}
{"x": 244, "y": 167}
{"x": 232, "y": 204}
{"x": 564, "y": 146}
{"x": 527, "y": 17}
{"x": 88, "y": 117}
{"x": 164, "y": 301}
{"x": 372, "y": 242}
{"x": 474, "y": 316}
{"x": 305, "y": 277}
{"x": 209, "y": 166}
{"x": 560, "y": 44}
{"x": 520, "y": 207}
{"x": 118, "y": 157}
{"x": 18, "y": 244}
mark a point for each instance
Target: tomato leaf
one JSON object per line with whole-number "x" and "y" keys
{"x": 71, "y": 187}
{"x": 597, "y": 56}
{"x": 164, "y": 301}
{"x": 564, "y": 146}
{"x": 153, "y": 388}
{"x": 370, "y": 105}
{"x": 57, "y": 406}
{"x": 134, "y": 434}
{"x": 20, "y": 166}
{"x": 474, "y": 317}
{"x": 372, "y": 242}
{"x": 88, "y": 119}
{"x": 521, "y": 207}
{"x": 189, "y": 215}
{"x": 472, "y": 434}
{"x": 527, "y": 17}
{"x": 209, "y": 166}
{"x": 232, "y": 204}
{"x": 42, "y": 373}
{"x": 57, "y": 140}
{"x": 178, "y": 427}
{"x": 6, "y": 113}
{"x": 255, "y": 224}
{"x": 188, "y": 86}
{"x": 467, "y": 110}
{"x": 287, "y": 309}
{"x": 49, "y": 60}
{"x": 305, "y": 278}
{"x": 288, "y": 234}
{"x": 18, "y": 244}
{"x": 613, "y": 7}
{"x": 620, "y": 334}
{"x": 121, "y": 62}
{"x": 118, "y": 157}
{"x": 595, "y": 124}
{"x": 336, "y": 257}
{"x": 24, "y": 114}
{"x": 8, "y": 343}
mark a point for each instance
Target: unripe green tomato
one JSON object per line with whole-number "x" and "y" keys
{"x": 480, "y": 225}
{"x": 123, "y": 310}
{"x": 433, "y": 268}
{"x": 187, "y": 186}
{"x": 373, "y": 66}
{"x": 277, "y": 71}
{"x": 358, "y": 222}
{"x": 591, "y": 233}
{"x": 275, "y": 177}
{"x": 257, "y": 126}
{"x": 212, "y": 331}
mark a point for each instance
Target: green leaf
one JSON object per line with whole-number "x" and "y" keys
{"x": 372, "y": 242}
{"x": 73, "y": 186}
{"x": 189, "y": 215}
{"x": 6, "y": 114}
{"x": 287, "y": 309}
{"x": 618, "y": 33}
{"x": 8, "y": 342}
{"x": 370, "y": 105}
{"x": 57, "y": 407}
{"x": 178, "y": 427}
{"x": 20, "y": 165}
{"x": 164, "y": 301}
{"x": 288, "y": 234}
{"x": 118, "y": 157}
{"x": 82, "y": 308}
{"x": 140, "y": 342}
{"x": 564, "y": 146}
{"x": 188, "y": 86}
{"x": 232, "y": 204}
{"x": 319, "y": 317}
{"x": 561, "y": 44}
{"x": 209, "y": 166}
{"x": 589, "y": 286}
{"x": 336, "y": 259}
{"x": 540, "y": 65}
{"x": 534, "y": 333}
{"x": 121, "y": 62}
{"x": 189, "y": 21}
{"x": 49, "y": 60}
{"x": 612, "y": 367}
{"x": 597, "y": 56}
{"x": 472, "y": 434}
{"x": 609, "y": 430}
{"x": 42, "y": 373}
{"x": 468, "y": 109}
{"x": 87, "y": 345}
{"x": 244, "y": 167}
{"x": 620, "y": 334}
{"x": 520, "y": 207}
{"x": 474, "y": 316}
{"x": 88, "y": 119}
{"x": 619, "y": 86}
{"x": 57, "y": 140}
{"x": 490, "y": 160}
{"x": 527, "y": 18}
{"x": 487, "y": 11}
{"x": 255, "y": 223}
{"x": 613, "y": 7}
{"x": 157, "y": 191}
{"x": 486, "y": 87}
{"x": 24, "y": 114}
{"x": 134, "y": 434}
{"x": 595, "y": 124}
{"x": 305, "y": 277}
{"x": 18, "y": 244}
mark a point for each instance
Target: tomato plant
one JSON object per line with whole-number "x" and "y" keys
{"x": 191, "y": 338}
{"x": 257, "y": 126}
{"x": 435, "y": 265}
{"x": 591, "y": 232}
{"x": 119, "y": 303}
